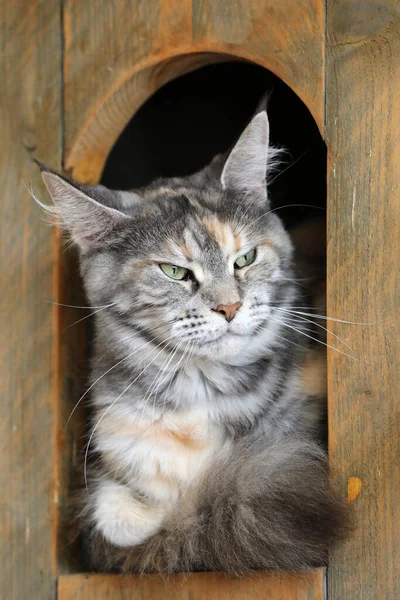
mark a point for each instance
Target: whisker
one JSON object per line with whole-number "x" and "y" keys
{"x": 108, "y": 371}
{"x": 283, "y": 338}
{"x": 88, "y": 316}
{"x": 74, "y": 306}
{"x": 288, "y": 167}
{"x": 190, "y": 354}
{"x": 240, "y": 204}
{"x": 172, "y": 375}
{"x": 311, "y": 329}
{"x": 280, "y": 304}
{"x": 296, "y": 318}
{"x": 250, "y": 204}
{"x": 156, "y": 382}
{"x": 178, "y": 347}
{"x": 110, "y": 407}
{"x": 146, "y": 403}
{"x": 296, "y": 205}
{"x": 319, "y": 341}
{"x": 280, "y": 208}
{"x": 315, "y": 316}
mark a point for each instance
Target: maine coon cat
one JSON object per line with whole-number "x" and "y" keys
{"x": 205, "y": 430}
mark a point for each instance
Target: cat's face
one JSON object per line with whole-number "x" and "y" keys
{"x": 196, "y": 262}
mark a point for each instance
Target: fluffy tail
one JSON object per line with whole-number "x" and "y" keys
{"x": 264, "y": 508}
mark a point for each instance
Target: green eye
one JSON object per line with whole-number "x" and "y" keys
{"x": 173, "y": 271}
{"x": 245, "y": 259}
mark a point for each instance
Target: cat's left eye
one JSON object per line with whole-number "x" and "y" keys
{"x": 174, "y": 272}
{"x": 246, "y": 259}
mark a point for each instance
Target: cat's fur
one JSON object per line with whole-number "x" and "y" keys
{"x": 204, "y": 432}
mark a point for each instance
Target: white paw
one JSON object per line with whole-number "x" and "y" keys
{"x": 122, "y": 519}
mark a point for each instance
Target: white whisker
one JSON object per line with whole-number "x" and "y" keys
{"x": 108, "y": 371}
{"x": 111, "y": 406}
{"x": 283, "y": 338}
{"x": 297, "y": 318}
{"x": 156, "y": 382}
{"x": 319, "y": 341}
{"x": 280, "y": 208}
{"x": 74, "y": 306}
{"x": 288, "y": 167}
{"x": 190, "y": 354}
{"x": 88, "y": 316}
{"x": 184, "y": 355}
{"x": 331, "y": 318}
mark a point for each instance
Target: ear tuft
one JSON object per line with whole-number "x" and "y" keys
{"x": 42, "y": 166}
{"x": 262, "y": 103}
{"x": 89, "y": 222}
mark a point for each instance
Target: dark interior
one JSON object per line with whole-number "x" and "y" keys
{"x": 192, "y": 118}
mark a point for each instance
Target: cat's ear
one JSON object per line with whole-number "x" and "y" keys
{"x": 246, "y": 166}
{"x": 88, "y": 215}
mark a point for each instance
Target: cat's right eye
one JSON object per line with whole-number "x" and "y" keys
{"x": 174, "y": 272}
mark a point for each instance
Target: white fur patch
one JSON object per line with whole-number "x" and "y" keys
{"x": 164, "y": 454}
{"x": 123, "y": 520}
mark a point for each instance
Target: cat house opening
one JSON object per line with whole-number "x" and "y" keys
{"x": 191, "y": 119}
{"x": 184, "y": 124}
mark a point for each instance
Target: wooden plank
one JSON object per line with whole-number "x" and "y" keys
{"x": 196, "y": 586}
{"x": 363, "y": 135}
{"x": 286, "y": 37}
{"x": 112, "y": 42}
{"x": 117, "y": 54}
{"x": 31, "y": 122}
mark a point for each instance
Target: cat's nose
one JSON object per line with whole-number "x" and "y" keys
{"x": 228, "y": 310}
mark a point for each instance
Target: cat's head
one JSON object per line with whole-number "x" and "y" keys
{"x": 196, "y": 262}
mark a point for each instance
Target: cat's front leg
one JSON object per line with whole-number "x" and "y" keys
{"x": 123, "y": 519}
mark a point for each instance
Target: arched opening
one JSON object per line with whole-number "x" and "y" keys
{"x": 188, "y": 120}
{"x": 184, "y": 124}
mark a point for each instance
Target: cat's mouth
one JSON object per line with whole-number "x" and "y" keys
{"x": 225, "y": 335}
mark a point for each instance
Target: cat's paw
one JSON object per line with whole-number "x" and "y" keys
{"x": 121, "y": 518}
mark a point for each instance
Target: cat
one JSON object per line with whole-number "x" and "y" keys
{"x": 205, "y": 432}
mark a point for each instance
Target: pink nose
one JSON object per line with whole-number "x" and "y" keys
{"x": 228, "y": 310}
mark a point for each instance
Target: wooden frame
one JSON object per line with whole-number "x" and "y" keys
{"x": 76, "y": 72}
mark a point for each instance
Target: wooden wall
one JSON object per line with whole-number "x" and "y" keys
{"x": 73, "y": 73}
{"x": 362, "y": 125}
{"x": 31, "y": 122}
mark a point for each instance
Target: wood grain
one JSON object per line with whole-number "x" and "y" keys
{"x": 196, "y": 586}
{"x": 117, "y": 54}
{"x": 363, "y": 135}
{"x": 30, "y": 117}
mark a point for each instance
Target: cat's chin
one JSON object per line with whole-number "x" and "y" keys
{"x": 228, "y": 345}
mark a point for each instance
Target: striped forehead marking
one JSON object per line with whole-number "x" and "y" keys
{"x": 223, "y": 234}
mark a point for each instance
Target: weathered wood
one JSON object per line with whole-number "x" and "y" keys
{"x": 30, "y": 101}
{"x": 196, "y": 586}
{"x": 363, "y": 135}
{"x": 117, "y": 54}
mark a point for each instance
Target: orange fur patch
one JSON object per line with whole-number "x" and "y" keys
{"x": 156, "y": 430}
{"x": 185, "y": 250}
{"x": 187, "y": 439}
{"x": 238, "y": 242}
{"x": 268, "y": 244}
{"x": 314, "y": 372}
{"x": 222, "y": 232}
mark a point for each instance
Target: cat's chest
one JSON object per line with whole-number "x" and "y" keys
{"x": 168, "y": 453}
